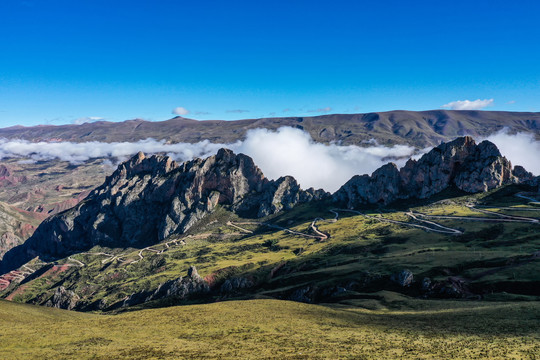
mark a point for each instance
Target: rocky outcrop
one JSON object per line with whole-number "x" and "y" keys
{"x": 403, "y": 278}
{"x": 181, "y": 289}
{"x": 149, "y": 198}
{"x": 461, "y": 163}
{"x": 452, "y": 287}
{"x": 63, "y": 299}
{"x": 236, "y": 284}
{"x": 8, "y": 177}
{"x": 522, "y": 174}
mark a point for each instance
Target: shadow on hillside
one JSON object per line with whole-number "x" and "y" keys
{"x": 481, "y": 319}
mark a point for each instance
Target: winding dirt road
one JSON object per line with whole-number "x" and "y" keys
{"x": 320, "y": 235}
{"x": 442, "y": 229}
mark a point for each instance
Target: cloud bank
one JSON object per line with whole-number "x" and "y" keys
{"x": 287, "y": 151}
{"x": 77, "y": 153}
{"x": 469, "y": 105}
{"x": 521, "y": 149}
{"x": 290, "y": 151}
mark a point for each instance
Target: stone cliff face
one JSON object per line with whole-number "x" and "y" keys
{"x": 461, "y": 163}
{"x": 149, "y": 198}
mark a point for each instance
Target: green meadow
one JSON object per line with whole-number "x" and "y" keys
{"x": 274, "y": 329}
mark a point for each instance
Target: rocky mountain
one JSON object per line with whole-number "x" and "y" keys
{"x": 462, "y": 163}
{"x": 416, "y": 128}
{"x": 148, "y": 199}
{"x": 130, "y": 239}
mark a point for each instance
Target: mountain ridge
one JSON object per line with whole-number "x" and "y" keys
{"x": 417, "y": 128}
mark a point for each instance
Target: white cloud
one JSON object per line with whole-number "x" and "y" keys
{"x": 287, "y": 151}
{"x": 88, "y": 119}
{"x": 79, "y": 152}
{"x": 511, "y": 102}
{"x": 180, "y": 111}
{"x": 521, "y": 149}
{"x": 322, "y": 110}
{"x": 469, "y": 105}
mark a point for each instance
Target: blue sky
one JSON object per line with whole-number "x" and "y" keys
{"x": 65, "y": 61}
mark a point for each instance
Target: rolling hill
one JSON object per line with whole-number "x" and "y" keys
{"x": 269, "y": 329}
{"x": 419, "y": 129}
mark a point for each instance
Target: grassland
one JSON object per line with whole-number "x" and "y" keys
{"x": 277, "y": 329}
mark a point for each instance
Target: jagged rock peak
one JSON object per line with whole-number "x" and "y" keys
{"x": 150, "y": 198}
{"x": 460, "y": 163}
{"x": 140, "y": 163}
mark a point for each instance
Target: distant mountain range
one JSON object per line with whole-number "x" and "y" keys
{"x": 416, "y": 128}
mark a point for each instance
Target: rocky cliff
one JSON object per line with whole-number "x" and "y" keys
{"x": 461, "y": 163}
{"x": 149, "y": 198}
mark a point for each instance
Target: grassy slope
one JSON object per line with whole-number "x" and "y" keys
{"x": 358, "y": 247}
{"x": 275, "y": 329}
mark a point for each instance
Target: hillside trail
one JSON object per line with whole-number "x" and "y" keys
{"x": 502, "y": 217}
{"x": 533, "y": 200}
{"x": 320, "y": 235}
{"x": 441, "y": 229}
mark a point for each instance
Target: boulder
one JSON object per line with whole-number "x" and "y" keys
{"x": 235, "y": 284}
{"x": 63, "y": 299}
{"x": 404, "y": 278}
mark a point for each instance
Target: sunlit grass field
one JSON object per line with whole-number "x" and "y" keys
{"x": 276, "y": 329}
